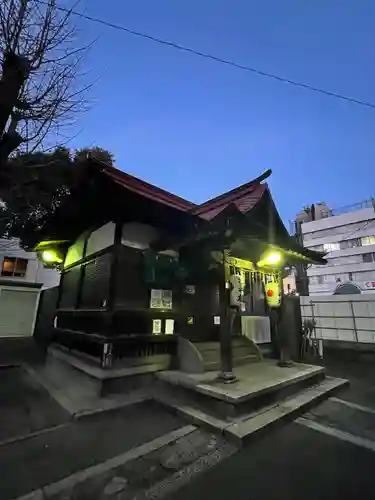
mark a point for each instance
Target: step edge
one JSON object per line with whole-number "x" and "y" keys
{"x": 206, "y": 390}
{"x": 232, "y": 429}
{"x": 285, "y": 411}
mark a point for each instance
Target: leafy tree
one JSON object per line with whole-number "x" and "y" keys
{"x": 36, "y": 185}
{"x": 95, "y": 152}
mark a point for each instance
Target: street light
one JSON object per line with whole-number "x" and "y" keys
{"x": 51, "y": 256}
{"x": 271, "y": 259}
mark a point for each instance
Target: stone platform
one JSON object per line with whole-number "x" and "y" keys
{"x": 263, "y": 395}
{"x": 258, "y": 386}
{"x": 81, "y": 386}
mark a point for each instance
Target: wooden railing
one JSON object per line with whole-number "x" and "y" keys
{"x": 108, "y": 349}
{"x": 79, "y": 341}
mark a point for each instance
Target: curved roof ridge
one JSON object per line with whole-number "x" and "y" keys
{"x": 136, "y": 184}
{"x": 233, "y": 194}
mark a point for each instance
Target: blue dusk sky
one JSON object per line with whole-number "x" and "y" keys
{"x": 198, "y": 128}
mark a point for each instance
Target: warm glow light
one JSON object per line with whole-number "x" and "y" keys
{"x": 273, "y": 258}
{"x": 50, "y": 256}
{"x": 270, "y": 259}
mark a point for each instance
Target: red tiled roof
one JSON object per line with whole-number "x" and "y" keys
{"x": 146, "y": 189}
{"x": 244, "y": 197}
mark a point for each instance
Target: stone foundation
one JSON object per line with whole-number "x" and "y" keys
{"x": 79, "y": 376}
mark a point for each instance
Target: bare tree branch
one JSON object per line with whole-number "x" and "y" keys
{"x": 53, "y": 94}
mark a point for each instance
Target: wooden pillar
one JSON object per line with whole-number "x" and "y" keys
{"x": 226, "y": 326}
{"x": 81, "y": 272}
{"x": 113, "y": 279}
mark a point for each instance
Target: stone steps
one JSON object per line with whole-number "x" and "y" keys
{"x": 250, "y": 394}
{"x": 243, "y": 351}
{"x": 238, "y": 361}
{"x": 247, "y": 424}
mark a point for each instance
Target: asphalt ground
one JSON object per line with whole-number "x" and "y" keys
{"x": 328, "y": 454}
{"x": 26, "y": 407}
{"x": 292, "y": 463}
{"x": 29, "y": 464}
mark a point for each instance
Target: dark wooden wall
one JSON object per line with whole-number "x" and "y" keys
{"x": 45, "y": 316}
{"x": 130, "y": 290}
{"x": 95, "y": 284}
{"x": 201, "y": 307}
{"x": 69, "y": 285}
{"x": 108, "y": 294}
{"x": 86, "y": 285}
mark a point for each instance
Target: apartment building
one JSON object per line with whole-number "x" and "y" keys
{"x": 348, "y": 237}
{"x": 22, "y": 277}
{"x": 17, "y": 265}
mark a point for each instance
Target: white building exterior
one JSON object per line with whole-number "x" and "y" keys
{"x": 22, "y": 277}
{"x": 24, "y": 267}
{"x": 289, "y": 283}
{"x": 349, "y": 239}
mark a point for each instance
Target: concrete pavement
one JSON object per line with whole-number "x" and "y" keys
{"x": 330, "y": 453}
{"x": 293, "y": 463}
{"x": 26, "y": 407}
{"x": 46, "y": 458}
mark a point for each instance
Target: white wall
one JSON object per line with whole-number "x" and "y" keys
{"x": 101, "y": 238}
{"x": 48, "y": 277}
{"x": 138, "y": 235}
{"x": 338, "y": 220}
{"x": 35, "y": 271}
{"x": 289, "y": 283}
{"x": 348, "y": 318}
{"x": 18, "y": 310}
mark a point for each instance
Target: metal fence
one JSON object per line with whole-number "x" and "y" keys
{"x": 349, "y": 318}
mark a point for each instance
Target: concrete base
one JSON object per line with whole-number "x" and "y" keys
{"x": 80, "y": 377}
{"x": 258, "y": 386}
{"x": 264, "y": 395}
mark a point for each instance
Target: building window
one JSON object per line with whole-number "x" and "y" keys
{"x": 14, "y": 267}
{"x": 316, "y": 280}
{"x": 331, "y": 247}
{"x": 352, "y": 243}
{"x": 368, "y": 240}
{"x": 364, "y": 276}
{"x": 368, "y": 257}
{"x": 341, "y": 278}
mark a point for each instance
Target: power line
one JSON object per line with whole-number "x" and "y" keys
{"x": 214, "y": 58}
